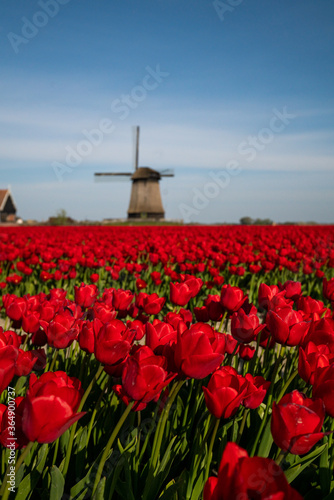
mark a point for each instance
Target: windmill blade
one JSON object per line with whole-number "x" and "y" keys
{"x": 167, "y": 172}
{"x": 135, "y": 148}
{"x": 112, "y": 176}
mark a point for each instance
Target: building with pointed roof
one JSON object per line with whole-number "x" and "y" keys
{"x": 7, "y": 206}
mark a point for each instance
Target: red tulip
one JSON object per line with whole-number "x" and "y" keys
{"x": 287, "y": 326}
{"x": 28, "y": 360}
{"x": 153, "y": 303}
{"x": 256, "y": 391}
{"x": 50, "y": 406}
{"x": 113, "y": 344}
{"x": 311, "y": 308}
{"x": 121, "y": 299}
{"x": 245, "y": 327}
{"x": 143, "y": 378}
{"x": 225, "y": 392}
{"x": 144, "y": 375}
{"x": 8, "y": 357}
{"x": 85, "y": 295}
{"x": 158, "y": 335}
{"x": 266, "y": 293}
{"x": 30, "y": 321}
{"x": 242, "y": 477}
{"x": 328, "y": 289}
{"x": 293, "y": 289}
{"x": 231, "y": 298}
{"x": 6, "y": 425}
{"x": 198, "y": 351}
{"x": 296, "y": 423}
{"x": 62, "y": 330}
{"x": 323, "y": 387}
{"x": 180, "y": 293}
{"x": 311, "y": 358}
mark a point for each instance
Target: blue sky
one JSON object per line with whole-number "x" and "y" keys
{"x": 236, "y": 96}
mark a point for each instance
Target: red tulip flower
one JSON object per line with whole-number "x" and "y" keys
{"x": 180, "y": 293}
{"x": 225, "y": 392}
{"x": 242, "y": 477}
{"x": 121, "y": 299}
{"x": 158, "y": 335}
{"x": 245, "y": 327}
{"x": 28, "y": 360}
{"x": 296, "y": 423}
{"x": 113, "y": 344}
{"x": 85, "y": 295}
{"x": 30, "y": 321}
{"x": 293, "y": 289}
{"x": 144, "y": 376}
{"x": 6, "y": 425}
{"x": 328, "y": 289}
{"x": 311, "y": 308}
{"x": 287, "y": 326}
{"x": 153, "y": 303}
{"x": 323, "y": 387}
{"x": 256, "y": 391}
{"x": 214, "y": 307}
{"x": 8, "y": 357}
{"x": 50, "y": 406}
{"x": 199, "y": 351}
{"x": 62, "y": 330}
{"x": 231, "y": 298}
{"x": 311, "y": 358}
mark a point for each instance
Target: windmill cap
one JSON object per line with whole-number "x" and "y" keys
{"x": 146, "y": 173}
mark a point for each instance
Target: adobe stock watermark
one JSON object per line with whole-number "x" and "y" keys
{"x": 228, "y": 6}
{"x": 93, "y": 138}
{"x": 11, "y": 478}
{"x": 30, "y": 27}
{"x": 220, "y": 180}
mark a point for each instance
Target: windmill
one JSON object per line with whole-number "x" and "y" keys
{"x": 145, "y": 200}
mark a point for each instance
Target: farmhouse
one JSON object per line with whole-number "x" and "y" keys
{"x": 7, "y": 206}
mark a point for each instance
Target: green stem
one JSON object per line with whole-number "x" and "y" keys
{"x": 331, "y": 447}
{"x": 286, "y": 385}
{"x": 242, "y": 425}
{"x": 281, "y": 454}
{"x": 255, "y": 357}
{"x": 74, "y": 426}
{"x": 270, "y": 397}
{"x": 54, "y": 359}
{"x": 55, "y": 453}
{"x": 162, "y": 424}
{"x": 209, "y": 458}
{"x": 109, "y": 445}
{"x": 222, "y": 322}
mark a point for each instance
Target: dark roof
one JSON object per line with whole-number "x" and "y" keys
{"x": 145, "y": 173}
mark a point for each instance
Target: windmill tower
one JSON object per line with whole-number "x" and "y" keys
{"x": 145, "y": 200}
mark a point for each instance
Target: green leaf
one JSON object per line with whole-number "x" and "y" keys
{"x": 266, "y": 442}
{"x": 41, "y": 458}
{"x": 99, "y": 494}
{"x": 27, "y": 485}
{"x": 330, "y": 496}
{"x": 325, "y": 473}
{"x": 302, "y": 463}
{"x": 80, "y": 450}
{"x": 64, "y": 438}
{"x": 57, "y": 484}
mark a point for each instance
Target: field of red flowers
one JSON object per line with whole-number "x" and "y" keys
{"x": 171, "y": 363}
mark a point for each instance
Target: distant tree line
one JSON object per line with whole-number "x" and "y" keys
{"x": 248, "y": 221}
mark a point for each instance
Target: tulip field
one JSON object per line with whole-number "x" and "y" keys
{"x": 167, "y": 363}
